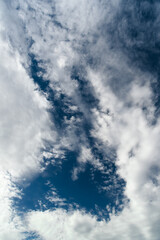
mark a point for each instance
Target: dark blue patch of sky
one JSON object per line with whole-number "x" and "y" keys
{"x": 87, "y": 191}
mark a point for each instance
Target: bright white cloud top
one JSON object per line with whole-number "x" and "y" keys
{"x": 81, "y": 77}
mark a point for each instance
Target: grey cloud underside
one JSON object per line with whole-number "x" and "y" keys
{"x": 96, "y": 67}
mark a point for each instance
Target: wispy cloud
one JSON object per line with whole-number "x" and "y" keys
{"x": 99, "y": 62}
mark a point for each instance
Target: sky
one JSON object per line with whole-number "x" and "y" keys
{"x": 79, "y": 120}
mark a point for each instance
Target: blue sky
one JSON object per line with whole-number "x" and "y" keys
{"x": 80, "y": 126}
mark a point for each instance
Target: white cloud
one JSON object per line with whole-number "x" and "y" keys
{"x": 53, "y": 197}
{"x": 86, "y": 156}
{"x": 130, "y": 224}
{"x": 24, "y": 121}
{"x": 70, "y": 225}
{"x": 11, "y": 226}
{"x": 25, "y": 125}
{"x": 123, "y": 120}
{"x": 128, "y": 128}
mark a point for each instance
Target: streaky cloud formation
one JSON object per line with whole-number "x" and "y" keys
{"x": 80, "y": 126}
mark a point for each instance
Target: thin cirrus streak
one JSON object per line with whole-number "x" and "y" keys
{"x": 79, "y": 145}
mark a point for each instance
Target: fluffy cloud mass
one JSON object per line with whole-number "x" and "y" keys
{"x": 83, "y": 78}
{"x": 26, "y": 109}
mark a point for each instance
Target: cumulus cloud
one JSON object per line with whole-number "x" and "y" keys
{"x": 131, "y": 132}
{"x": 11, "y": 226}
{"x": 93, "y": 38}
{"x": 25, "y": 128}
{"x": 78, "y": 224}
{"x": 25, "y": 121}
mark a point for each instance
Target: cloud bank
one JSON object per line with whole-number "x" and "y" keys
{"x": 100, "y": 66}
